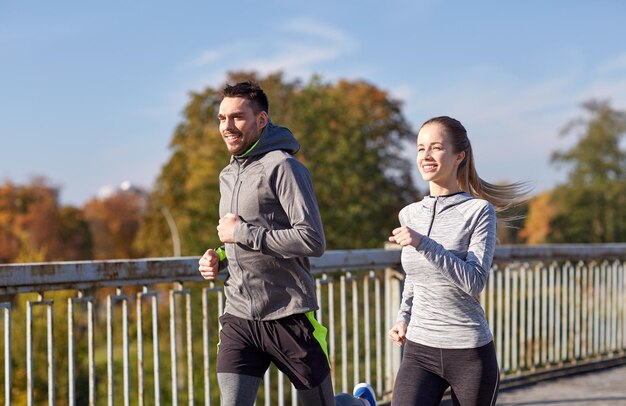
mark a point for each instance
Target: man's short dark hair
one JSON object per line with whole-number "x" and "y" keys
{"x": 250, "y": 91}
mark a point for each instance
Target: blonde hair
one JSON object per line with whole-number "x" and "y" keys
{"x": 502, "y": 196}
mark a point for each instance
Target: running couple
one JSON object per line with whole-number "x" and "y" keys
{"x": 270, "y": 225}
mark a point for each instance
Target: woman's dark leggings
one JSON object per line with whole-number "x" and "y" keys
{"x": 426, "y": 372}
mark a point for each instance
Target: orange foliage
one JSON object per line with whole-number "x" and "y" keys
{"x": 31, "y": 223}
{"x": 537, "y": 226}
{"x": 114, "y": 223}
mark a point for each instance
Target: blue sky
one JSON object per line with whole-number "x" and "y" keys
{"x": 91, "y": 92}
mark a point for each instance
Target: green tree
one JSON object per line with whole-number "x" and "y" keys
{"x": 352, "y": 134}
{"x": 591, "y": 206}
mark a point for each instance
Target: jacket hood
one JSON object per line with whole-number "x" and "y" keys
{"x": 274, "y": 138}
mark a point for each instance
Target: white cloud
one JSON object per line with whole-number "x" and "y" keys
{"x": 614, "y": 65}
{"x": 295, "y": 59}
{"x": 300, "y": 53}
{"x": 315, "y": 29}
{"x": 206, "y": 58}
{"x": 607, "y": 88}
{"x": 403, "y": 92}
{"x": 309, "y": 44}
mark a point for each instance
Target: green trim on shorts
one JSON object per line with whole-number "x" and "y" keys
{"x": 319, "y": 332}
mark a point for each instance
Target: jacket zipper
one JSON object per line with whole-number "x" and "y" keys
{"x": 234, "y": 204}
{"x": 432, "y": 218}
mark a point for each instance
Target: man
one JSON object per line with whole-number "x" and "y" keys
{"x": 269, "y": 224}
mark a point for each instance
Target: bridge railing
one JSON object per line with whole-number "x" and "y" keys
{"x": 557, "y": 308}
{"x": 145, "y": 332}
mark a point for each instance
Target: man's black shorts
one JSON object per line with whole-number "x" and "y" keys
{"x": 295, "y": 344}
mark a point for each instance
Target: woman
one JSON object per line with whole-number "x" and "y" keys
{"x": 448, "y": 242}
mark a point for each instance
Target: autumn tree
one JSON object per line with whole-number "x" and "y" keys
{"x": 75, "y": 234}
{"x": 591, "y": 206}
{"x": 352, "y": 135}
{"x": 34, "y": 227}
{"x": 9, "y": 239}
{"x": 114, "y": 222}
{"x": 536, "y": 228}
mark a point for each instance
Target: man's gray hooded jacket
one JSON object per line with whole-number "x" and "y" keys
{"x": 271, "y": 191}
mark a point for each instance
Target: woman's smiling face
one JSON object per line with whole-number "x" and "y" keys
{"x": 436, "y": 159}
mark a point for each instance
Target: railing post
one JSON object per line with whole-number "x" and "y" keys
{"x": 6, "y": 313}
{"x": 344, "y": 334}
{"x": 90, "y": 347}
{"x": 111, "y": 299}
{"x": 147, "y": 294}
{"x": 174, "y": 346}
{"x": 49, "y": 348}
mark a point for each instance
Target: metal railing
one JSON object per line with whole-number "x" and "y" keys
{"x": 145, "y": 332}
{"x": 556, "y": 309}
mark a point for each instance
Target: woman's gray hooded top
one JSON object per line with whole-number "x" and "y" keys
{"x": 448, "y": 270}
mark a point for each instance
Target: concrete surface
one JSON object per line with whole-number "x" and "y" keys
{"x": 600, "y": 388}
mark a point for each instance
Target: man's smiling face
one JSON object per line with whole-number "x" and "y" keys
{"x": 240, "y": 126}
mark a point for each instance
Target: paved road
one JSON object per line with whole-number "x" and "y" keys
{"x": 601, "y": 388}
